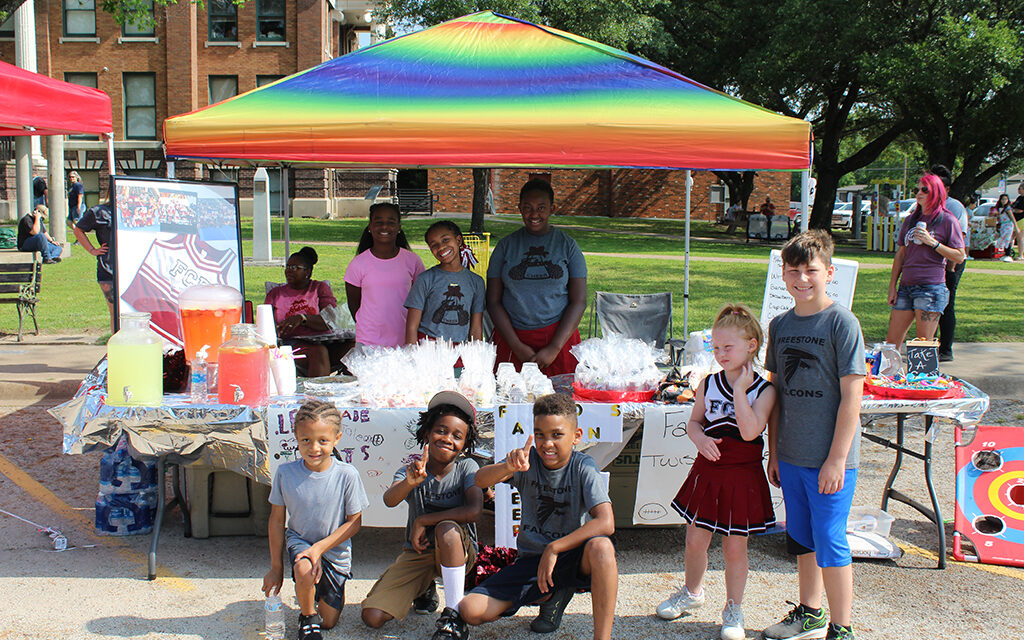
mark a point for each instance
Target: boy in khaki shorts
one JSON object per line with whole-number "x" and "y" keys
{"x": 444, "y": 506}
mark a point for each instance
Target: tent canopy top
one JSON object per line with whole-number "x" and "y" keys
{"x": 487, "y": 90}
{"x": 36, "y": 105}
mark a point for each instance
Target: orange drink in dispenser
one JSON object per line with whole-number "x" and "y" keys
{"x": 244, "y": 368}
{"x": 207, "y": 314}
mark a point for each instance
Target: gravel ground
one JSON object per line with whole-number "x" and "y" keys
{"x": 212, "y": 590}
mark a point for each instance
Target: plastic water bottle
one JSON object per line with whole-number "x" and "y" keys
{"x": 274, "y": 613}
{"x": 200, "y": 377}
{"x": 920, "y": 225}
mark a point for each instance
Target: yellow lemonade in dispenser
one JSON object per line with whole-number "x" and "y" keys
{"x": 135, "y": 364}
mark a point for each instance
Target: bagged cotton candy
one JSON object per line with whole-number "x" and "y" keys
{"x": 614, "y": 363}
{"x": 477, "y": 380}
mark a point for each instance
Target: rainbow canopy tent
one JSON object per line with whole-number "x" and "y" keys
{"x": 487, "y": 90}
{"x": 35, "y": 105}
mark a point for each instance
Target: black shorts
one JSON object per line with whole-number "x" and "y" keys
{"x": 331, "y": 588}
{"x": 517, "y": 583}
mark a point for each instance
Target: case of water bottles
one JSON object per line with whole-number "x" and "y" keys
{"x": 127, "y": 500}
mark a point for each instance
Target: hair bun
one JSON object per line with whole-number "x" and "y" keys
{"x": 309, "y": 253}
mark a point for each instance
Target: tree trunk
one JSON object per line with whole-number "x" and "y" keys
{"x": 481, "y": 186}
{"x": 824, "y": 199}
{"x": 741, "y": 184}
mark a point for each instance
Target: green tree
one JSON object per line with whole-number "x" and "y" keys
{"x": 625, "y": 24}
{"x": 962, "y": 90}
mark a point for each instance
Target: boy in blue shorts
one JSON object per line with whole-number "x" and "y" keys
{"x": 816, "y": 358}
{"x": 558, "y": 552}
{"x": 324, "y": 500}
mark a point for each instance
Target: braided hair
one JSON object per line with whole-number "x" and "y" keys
{"x": 313, "y": 411}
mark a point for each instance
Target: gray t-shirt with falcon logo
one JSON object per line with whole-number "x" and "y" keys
{"x": 807, "y": 356}
{"x": 440, "y": 494}
{"x": 555, "y": 502}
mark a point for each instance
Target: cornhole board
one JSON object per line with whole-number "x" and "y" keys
{"x": 990, "y": 495}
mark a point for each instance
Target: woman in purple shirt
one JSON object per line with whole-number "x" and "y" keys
{"x": 930, "y": 241}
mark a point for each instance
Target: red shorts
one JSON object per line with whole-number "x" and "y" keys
{"x": 536, "y": 339}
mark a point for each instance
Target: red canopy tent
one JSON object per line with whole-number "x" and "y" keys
{"x": 35, "y": 105}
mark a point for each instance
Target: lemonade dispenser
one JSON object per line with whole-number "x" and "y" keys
{"x": 135, "y": 364}
{"x": 207, "y": 312}
{"x": 244, "y": 368}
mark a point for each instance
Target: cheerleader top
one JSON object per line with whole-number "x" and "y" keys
{"x": 720, "y": 410}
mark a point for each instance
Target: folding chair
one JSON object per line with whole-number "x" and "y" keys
{"x": 645, "y": 316}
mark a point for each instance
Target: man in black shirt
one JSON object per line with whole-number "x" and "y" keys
{"x": 1018, "y": 204}
{"x": 32, "y": 235}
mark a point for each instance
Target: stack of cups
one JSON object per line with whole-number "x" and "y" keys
{"x": 266, "y": 329}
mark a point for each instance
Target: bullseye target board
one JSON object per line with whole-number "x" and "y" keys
{"x": 990, "y": 495}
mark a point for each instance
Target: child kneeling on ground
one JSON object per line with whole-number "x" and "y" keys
{"x": 324, "y": 500}
{"x": 444, "y": 506}
{"x": 558, "y": 552}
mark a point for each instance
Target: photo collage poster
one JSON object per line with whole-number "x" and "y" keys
{"x": 170, "y": 235}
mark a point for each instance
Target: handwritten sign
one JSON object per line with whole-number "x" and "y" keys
{"x": 666, "y": 455}
{"x": 513, "y": 423}
{"x": 923, "y": 357}
{"x": 778, "y": 301}
{"x": 375, "y": 441}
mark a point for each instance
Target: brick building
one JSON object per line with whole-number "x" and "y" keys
{"x": 190, "y": 57}
{"x": 639, "y": 193}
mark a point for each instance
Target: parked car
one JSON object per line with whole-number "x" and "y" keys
{"x": 842, "y": 215}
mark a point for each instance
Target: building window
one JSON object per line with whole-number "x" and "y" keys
{"x": 221, "y": 174}
{"x": 85, "y": 80}
{"x": 144, "y": 27}
{"x": 7, "y": 28}
{"x": 222, "y": 16}
{"x": 222, "y": 87}
{"x": 140, "y": 106}
{"x": 270, "y": 20}
{"x": 80, "y": 18}
{"x": 262, "y": 80}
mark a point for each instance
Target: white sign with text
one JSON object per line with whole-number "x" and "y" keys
{"x": 778, "y": 301}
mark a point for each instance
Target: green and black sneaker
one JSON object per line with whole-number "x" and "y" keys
{"x": 800, "y": 623}
{"x": 839, "y": 632}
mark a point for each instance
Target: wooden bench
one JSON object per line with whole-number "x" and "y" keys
{"x": 20, "y": 279}
{"x": 422, "y": 200}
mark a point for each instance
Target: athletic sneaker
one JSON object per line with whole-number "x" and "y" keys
{"x": 309, "y": 627}
{"x": 839, "y": 632}
{"x": 450, "y": 626}
{"x": 799, "y": 623}
{"x": 732, "y": 622}
{"x": 551, "y": 610}
{"x": 427, "y": 601}
{"x": 679, "y": 602}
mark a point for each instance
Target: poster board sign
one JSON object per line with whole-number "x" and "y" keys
{"x": 666, "y": 455}
{"x": 778, "y": 301}
{"x": 923, "y": 357}
{"x": 170, "y": 235}
{"x": 513, "y": 424}
{"x": 375, "y": 441}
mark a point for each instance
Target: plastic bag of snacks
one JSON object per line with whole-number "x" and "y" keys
{"x": 477, "y": 380}
{"x": 614, "y": 363}
{"x": 403, "y": 376}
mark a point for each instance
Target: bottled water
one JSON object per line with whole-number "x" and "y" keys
{"x": 200, "y": 377}
{"x": 274, "y": 613}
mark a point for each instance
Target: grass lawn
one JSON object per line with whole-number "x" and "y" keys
{"x": 989, "y": 307}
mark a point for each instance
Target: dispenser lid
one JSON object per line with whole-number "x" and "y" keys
{"x": 210, "y": 296}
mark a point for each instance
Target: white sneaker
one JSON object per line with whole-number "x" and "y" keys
{"x": 1006, "y": 259}
{"x": 732, "y": 622}
{"x": 679, "y": 602}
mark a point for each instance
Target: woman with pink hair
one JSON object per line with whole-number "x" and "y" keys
{"x": 929, "y": 242}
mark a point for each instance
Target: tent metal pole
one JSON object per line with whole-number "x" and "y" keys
{"x": 110, "y": 153}
{"x": 287, "y": 208}
{"x": 686, "y": 261}
{"x": 805, "y": 196}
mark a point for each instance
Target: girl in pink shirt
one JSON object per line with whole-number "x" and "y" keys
{"x": 377, "y": 281}
{"x": 297, "y": 306}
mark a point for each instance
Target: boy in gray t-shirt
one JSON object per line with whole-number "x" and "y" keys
{"x": 816, "y": 357}
{"x": 559, "y": 549}
{"x": 444, "y": 506}
{"x": 324, "y": 499}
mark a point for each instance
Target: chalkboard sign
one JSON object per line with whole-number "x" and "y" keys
{"x": 923, "y": 357}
